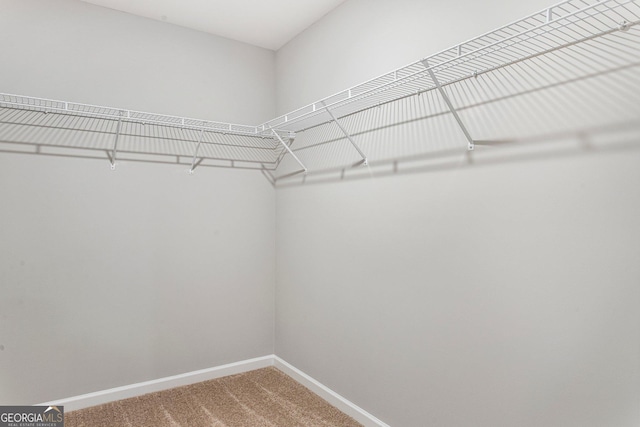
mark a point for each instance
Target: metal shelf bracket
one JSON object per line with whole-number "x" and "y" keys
{"x": 591, "y": 37}
{"x": 114, "y": 152}
{"x": 195, "y": 154}
{"x": 471, "y": 144}
{"x": 284, "y": 144}
{"x": 344, "y": 131}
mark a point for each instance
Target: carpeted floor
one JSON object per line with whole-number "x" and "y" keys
{"x": 262, "y": 398}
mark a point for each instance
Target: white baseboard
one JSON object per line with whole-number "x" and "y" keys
{"x": 346, "y": 406}
{"x": 133, "y": 390}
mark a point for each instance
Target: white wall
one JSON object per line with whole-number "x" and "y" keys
{"x": 79, "y": 52}
{"x": 499, "y": 289}
{"x": 112, "y": 278}
{"x": 362, "y": 39}
{"x": 498, "y": 293}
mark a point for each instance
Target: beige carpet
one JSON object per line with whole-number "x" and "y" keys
{"x": 262, "y": 398}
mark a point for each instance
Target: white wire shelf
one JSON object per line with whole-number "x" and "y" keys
{"x": 114, "y": 131}
{"x": 559, "y": 26}
{"x": 55, "y": 127}
{"x": 131, "y": 116}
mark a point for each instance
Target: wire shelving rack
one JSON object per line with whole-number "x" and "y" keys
{"x": 262, "y": 147}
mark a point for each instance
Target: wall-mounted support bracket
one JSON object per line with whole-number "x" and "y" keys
{"x": 114, "y": 152}
{"x": 284, "y": 144}
{"x": 344, "y": 131}
{"x": 195, "y": 154}
{"x": 453, "y": 111}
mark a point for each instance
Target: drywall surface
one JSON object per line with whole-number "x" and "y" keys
{"x": 362, "y": 39}
{"x": 495, "y": 295}
{"x": 109, "y": 278}
{"x": 112, "y": 278}
{"x": 75, "y": 51}
{"x": 494, "y": 288}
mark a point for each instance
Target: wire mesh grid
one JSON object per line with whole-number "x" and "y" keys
{"x": 581, "y": 89}
{"x": 85, "y": 110}
{"x": 562, "y": 25}
{"x": 565, "y": 42}
{"x": 40, "y": 128}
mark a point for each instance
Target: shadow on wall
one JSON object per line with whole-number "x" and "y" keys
{"x": 41, "y": 132}
{"x": 620, "y": 137}
{"x": 577, "y": 100}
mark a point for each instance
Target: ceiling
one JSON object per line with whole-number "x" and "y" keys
{"x": 265, "y": 23}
